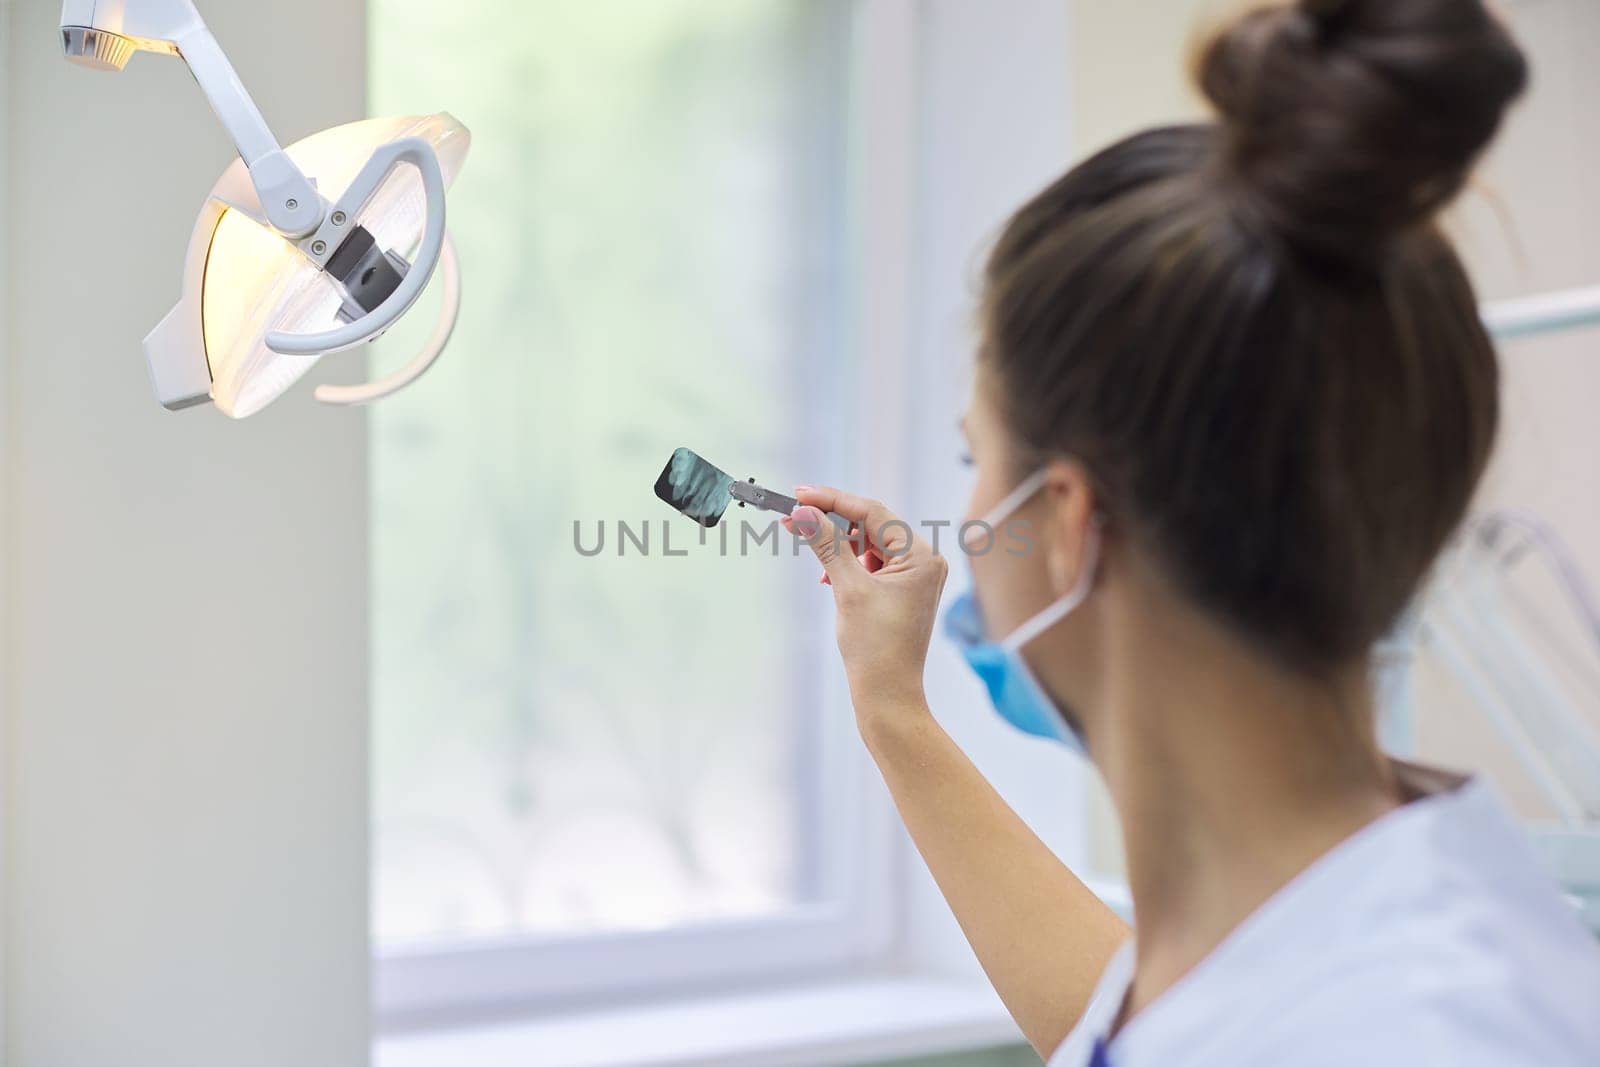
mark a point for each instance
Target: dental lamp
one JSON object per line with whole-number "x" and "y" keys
{"x": 299, "y": 251}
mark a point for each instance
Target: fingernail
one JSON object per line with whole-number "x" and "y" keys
{"x": 804, "y": 488}
{"x": 807, "y": 520}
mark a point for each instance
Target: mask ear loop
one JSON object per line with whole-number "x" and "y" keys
{"x": 1075, "y": 596}
{"x": 1016, "y": 498}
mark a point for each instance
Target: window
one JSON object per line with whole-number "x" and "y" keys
{"x": 627, "y": 762}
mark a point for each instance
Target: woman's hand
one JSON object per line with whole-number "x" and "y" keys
{"x": 886, "y": 595}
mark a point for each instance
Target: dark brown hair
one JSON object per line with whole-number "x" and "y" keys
{"x": 1252, "y": 332}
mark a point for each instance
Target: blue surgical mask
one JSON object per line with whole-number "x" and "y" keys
{"x": 1015, "y": 692}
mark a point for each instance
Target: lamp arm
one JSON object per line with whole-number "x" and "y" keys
{"x": 105, "y": 33}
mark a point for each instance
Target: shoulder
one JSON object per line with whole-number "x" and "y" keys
{"x": 1469, "y": 956}
{"x": 1438, "y": 939}
{"x": 1453, "y": 1009}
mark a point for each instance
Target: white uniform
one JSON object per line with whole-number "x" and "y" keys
{"x": 1432, "y": 936}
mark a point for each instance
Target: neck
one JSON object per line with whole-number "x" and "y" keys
{"x": 1230, "y": 774}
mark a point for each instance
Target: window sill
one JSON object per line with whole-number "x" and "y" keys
{"x": 839, "y": 1022}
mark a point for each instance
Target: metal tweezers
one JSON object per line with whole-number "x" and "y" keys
{"x": 758, "y": 497}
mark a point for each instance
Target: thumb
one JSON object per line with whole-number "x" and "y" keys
{"x": 826, "y": 540}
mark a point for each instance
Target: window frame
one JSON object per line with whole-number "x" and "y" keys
{"x": 853, "y": 926}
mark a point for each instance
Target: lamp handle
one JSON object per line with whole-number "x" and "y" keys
{"x": 450, "y": 275}
{"x": 384, "y": 159}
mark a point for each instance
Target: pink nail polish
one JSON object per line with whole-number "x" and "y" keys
{"x": 807, "y": 520}
{"x": 804, "y": 488}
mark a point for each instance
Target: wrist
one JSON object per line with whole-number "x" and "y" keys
{"x": 886, "y": 717}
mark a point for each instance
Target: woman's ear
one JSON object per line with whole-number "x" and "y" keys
{"x": 1068, "y": 523}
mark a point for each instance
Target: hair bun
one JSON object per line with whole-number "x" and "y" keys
{"x": 1324, "y": 9}
{"x": 1348, "y": 121}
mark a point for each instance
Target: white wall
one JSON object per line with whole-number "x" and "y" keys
{"x": 184, "y": 670}
{"x": 980, "y": 157}
{"x": 1130, "y": 65}
{"x": 1532, "y": 225}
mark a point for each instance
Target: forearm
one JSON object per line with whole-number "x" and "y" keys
{"x": 1042, "y": 936}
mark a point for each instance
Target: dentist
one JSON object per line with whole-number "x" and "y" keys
{"x": 1233, "y": 380}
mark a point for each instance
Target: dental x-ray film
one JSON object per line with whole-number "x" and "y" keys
{"x": 703, "y": 491}
{"x": 695, "y": 487}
